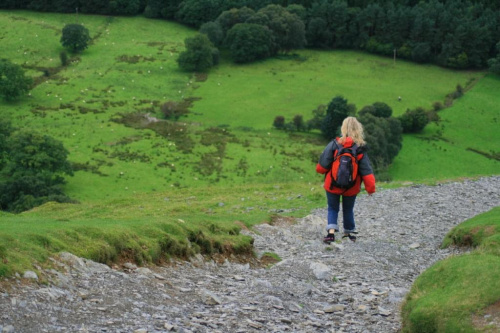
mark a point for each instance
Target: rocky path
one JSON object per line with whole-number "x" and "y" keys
{"x": 346, "y": 287}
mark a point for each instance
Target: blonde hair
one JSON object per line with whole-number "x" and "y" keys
{"x": 352, "y": 127}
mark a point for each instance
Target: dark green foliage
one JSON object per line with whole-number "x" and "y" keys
{"x": 214, "y": 32}
{"x": 288, "y": 30}
{"x": 174, "y": 110}
{"x": 249, "y": 42}
{"x": 199, "y": 54}
{"x": 32, "y": 171}
{"x": 317, "y": 119}
{"x": 414, "y": 121}
{"x": 233, "y": 16}
{"x": 298, "y": 122}
{"x": 13, "y": 82}
{"x": 377, "y": 109}
{"x": 197, "y": 12}
{"x": 452, "y": 33}
{"x": 327, "y": 26}
{"x": 383, "y": 137}
{"x": 75, "y": 37}
{"x": 64, "y": 58}
{"x": 5, "y": 131}
{"x": 279, "y": 122}
{"x": 337, "y": 111}
{"x": 494, "y": 63}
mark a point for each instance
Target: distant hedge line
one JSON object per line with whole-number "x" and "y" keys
{"x": 451, "y": 33}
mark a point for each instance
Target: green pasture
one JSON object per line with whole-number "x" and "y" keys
{"x": 465, "y": 143}
{"x": 133, "y": 171}
{"x": 252, "y": 95}
{"x": 450, "y": 294}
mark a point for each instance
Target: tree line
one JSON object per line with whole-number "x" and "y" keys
{"x": 451, "y": 33}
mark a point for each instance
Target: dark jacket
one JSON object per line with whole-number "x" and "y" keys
{"x": 365, "y": 171}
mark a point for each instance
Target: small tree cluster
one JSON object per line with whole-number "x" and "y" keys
{"x": 251, "y": 35}
{"x": 31, "y": 169}
{"x": 297, "y": 124}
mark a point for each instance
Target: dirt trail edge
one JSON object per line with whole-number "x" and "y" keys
{"x": 344, "y": 287}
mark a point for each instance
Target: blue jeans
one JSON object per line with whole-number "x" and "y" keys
{"x": 347, "y": 211}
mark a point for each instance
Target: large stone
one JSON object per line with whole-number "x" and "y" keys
{"x": 30, "y": 275}
{"x": 320, "y": 270}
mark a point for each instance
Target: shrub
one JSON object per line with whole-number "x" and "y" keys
{"x": 414, "y": 121}
{"x": 13, "y": 82}
{"x": 199, "y": 54}
{"x": 279, "y": 122}
{"x": 64, "y": 58}
{"x": 249, "y": 42}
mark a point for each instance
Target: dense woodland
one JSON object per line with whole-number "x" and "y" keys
{"x": 451, "y": 33}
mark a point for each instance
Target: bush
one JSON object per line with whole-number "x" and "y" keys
{"x": 279, "y": 122}
{"x": 384, "y": 140}
{"x": 377, "y": 109}
{"x": 13, "y": 82}
{"x": 249, "y": 42}
{"x": 414, "y": 121}
{"x": 199, "y": 55}
{"x": 174, "y": 110}
{"x": 64, "y": 58}
{"x": 214, "y": 32}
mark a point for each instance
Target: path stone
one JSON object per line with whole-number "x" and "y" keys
{"x": 344, "y": 287}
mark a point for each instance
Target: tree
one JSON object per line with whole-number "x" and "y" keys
{"x": 249, "y": 42}
{"x": 75, "y": 37}
{"x": 318, "y": 117}
{"x": 32, "y": 172}
{"x": 337, "y": 111}
{"x": 298, "y": 122}
{"x": 214, "y": 32}
{"x": 288, "y": 30}
{"x": 13, "y": 82}
{"x": 197, "y": 12}
{"x": 279, "y": 122}
{"x": 229, "y": 18}
{"x": 199, "y": 54}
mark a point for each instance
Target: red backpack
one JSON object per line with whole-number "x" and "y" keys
{"x": 344, "y": 167}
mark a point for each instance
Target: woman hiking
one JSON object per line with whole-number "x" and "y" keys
{"x": 351, "y": 143}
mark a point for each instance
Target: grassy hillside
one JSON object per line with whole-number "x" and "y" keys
{"x": 221, "y": 166}
{"x": 455, "y": 294}
{"x": 464, "y": 143}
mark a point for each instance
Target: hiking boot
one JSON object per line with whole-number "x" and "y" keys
{"x": 330, "y": 238}
{"x": 350, "y": 235}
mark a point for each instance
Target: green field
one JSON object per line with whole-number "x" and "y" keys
{"x": 223, "y": 164}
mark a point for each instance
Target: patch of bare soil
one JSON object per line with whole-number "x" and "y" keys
{"x": 489, "y": 319}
